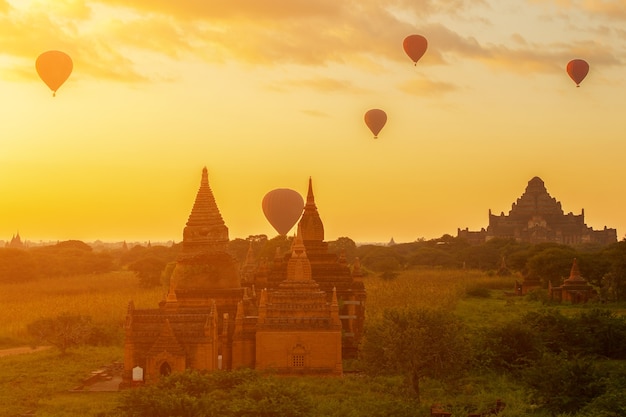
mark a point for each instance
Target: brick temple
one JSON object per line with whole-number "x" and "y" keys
{"x": 329, "y": 270}
{"x": 537, "y": 217}
{"x": 213, "y": 319}
{"x": 574, "y": 289}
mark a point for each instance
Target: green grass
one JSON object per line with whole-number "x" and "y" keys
{"x": 41, "y": 382}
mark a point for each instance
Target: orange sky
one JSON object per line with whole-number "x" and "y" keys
{"x": 266, "y": 94}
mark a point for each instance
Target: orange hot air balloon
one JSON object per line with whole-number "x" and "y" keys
{"x": 415, "y": 46}
{"x": 375, "y": 119}
{"x": 282, "y": 208}
{"x": 54, "y": 67}
{"x": 577, "y": 69}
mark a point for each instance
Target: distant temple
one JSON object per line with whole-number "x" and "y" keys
{"x": 16, "y": 242}
{"x": 217, "y": 316}
{"x": 537, "y": 217}
{"x": 574, "y": 289}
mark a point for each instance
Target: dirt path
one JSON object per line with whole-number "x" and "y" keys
{"x": 21, "y": 350}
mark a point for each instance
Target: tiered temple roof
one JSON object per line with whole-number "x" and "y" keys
{"x": 538, "y": 217}
{"x": 328, "y": 270}
{"x": 208, "y": 320}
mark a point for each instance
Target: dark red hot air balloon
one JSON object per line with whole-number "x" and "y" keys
{"x": 577, "y": 69}
{"x": 282, "y": 208}
{"x": 375, "y": 119}
{"x": 415, "y": 46}
{"x": 54, "y": 68}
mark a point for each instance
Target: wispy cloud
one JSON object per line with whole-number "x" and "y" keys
{"x": 106, "y": 38}
{"x": 427, "y": 88}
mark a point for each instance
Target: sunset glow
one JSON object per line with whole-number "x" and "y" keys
{"x": 266, "y": 94}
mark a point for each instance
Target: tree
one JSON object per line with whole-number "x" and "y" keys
{"x": 551, "y": 264}
{"x": 148, "y": 270}
{"x": 563, "y": 384}
{"x": 418, "y": 343}
{"x": 17, "y": 265}
{"x": 343, "y": 246}
{"x": 63, "y": 331}
{"x": 509, "y": 346}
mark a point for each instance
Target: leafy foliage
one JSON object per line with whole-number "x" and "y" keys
{"x": 148, "y": 269}
{"x": 416, "y": 342}
{"x": 562, "y": 384}
{"x": 63, "y": 331}
{"x": 237, "y": 393}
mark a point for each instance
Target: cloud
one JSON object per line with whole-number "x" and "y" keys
{"x": 111, "y": 39}
{"x": 315, "y": 113}
{"x": 609, "y": 9}
{"x": 319, "y": 84}
{"x": 427, "y": 88}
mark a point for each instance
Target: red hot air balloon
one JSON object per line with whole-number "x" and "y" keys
{"x": 54, "y": 67}
{"x": 577, "y": 69}
{"x": 282, "y": 208}
{"x": 415, "y": 46}
{"x": 375, "y": 119}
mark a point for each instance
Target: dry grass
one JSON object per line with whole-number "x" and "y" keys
{"x": 103, "y": 297}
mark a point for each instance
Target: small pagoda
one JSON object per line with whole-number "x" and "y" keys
{"x": 575, "y": 289}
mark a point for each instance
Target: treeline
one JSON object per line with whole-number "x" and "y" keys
{"x": 602, "y": 266}
{"x": 74, "y": 257}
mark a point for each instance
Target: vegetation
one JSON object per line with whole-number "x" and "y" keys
{"x": 417, "y": 343}
{"x": 435, "y": 333}
{"x": 63, "y": 331}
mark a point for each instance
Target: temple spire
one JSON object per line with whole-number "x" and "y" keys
{"x": 311, "y": 225}
{"x": 298, "y": 266}
{"x": 205, "y": 230}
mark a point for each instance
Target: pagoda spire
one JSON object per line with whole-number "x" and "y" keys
{"x": 574, "y": 275}
{"x": 298, "y": 266}
{"x": 311, "y": 224}
{"x": 205, "y": 229}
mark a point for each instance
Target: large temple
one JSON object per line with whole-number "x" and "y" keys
{"x": 537, "y": 217}
{"x": 330, "y": 271}
{"x": 294, "y": 318}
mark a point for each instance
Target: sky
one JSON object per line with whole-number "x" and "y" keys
{"x": 267, "y": 94}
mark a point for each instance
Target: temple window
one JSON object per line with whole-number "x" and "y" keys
{"x": 297, "y": 361}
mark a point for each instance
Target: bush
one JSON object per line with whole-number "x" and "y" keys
{"x": 563, "y": 384}
{"x": 479, "y": 292}
{"x": 63, "y": 331}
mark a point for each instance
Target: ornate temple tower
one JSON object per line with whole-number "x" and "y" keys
{"x": 331, "y": 273}
{"x": 194, "y": 325}
{"x": 298, "y": 330}
{"x": 209, "y": 321}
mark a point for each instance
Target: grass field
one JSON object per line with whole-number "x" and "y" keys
{"x": 41, "y": 382}
{"x": 103, "y": 297}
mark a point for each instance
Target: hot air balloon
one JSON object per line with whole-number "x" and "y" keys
{"x": 577, "y": 69}
{"x": 54, "y": 67}
{"x": 375, "y": 119}
{"x": 282, "y": 208}
{"x": 415, "y": 46}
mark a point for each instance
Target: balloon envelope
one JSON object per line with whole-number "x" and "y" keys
{"x": 577, "y": 69}
{"x": 375, "y": 119}
{"x": 282, "y": 208}
{"x": 415, "y": 46}
{"x": 54, "y": 67}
